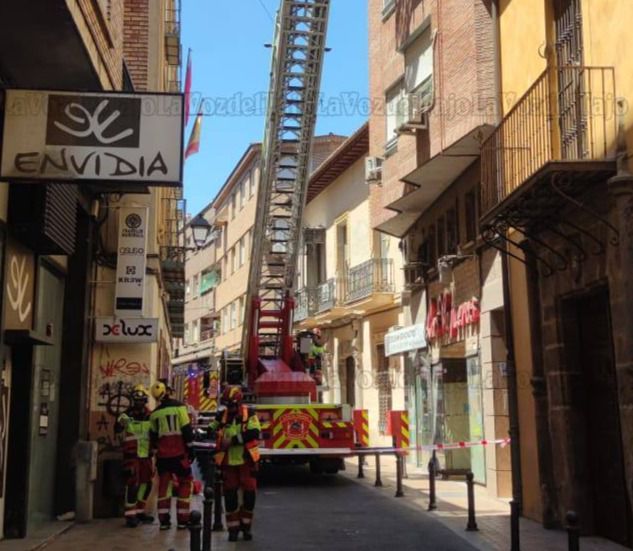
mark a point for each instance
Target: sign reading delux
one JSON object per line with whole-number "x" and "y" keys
{"x": 94, "y": 137}
{"x": 126, "y": 330}
{"x": 131, "y": 260}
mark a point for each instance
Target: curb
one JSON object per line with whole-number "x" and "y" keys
{"x": 50, "y": 539}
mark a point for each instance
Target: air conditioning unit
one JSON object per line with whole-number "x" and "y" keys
{"x": 419, "y": 105}
{"x": 373, "y": 169}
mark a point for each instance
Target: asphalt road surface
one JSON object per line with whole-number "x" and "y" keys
{"x": 295, "y": 511}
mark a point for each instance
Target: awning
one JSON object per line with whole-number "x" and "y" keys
{"x": 399, "y": 225}
{"x": 432, "y": 179}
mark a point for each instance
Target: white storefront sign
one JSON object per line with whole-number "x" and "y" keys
{"x": 405, "y": 339}
{"x": 126, "y": 330}
{"x": 131, "y": 260}
{"x": 92, "y": 137}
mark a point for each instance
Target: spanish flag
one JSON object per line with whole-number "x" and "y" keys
{"x": 193, "y": 146}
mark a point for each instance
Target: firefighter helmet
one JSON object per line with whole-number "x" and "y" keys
{"x": 159, "y": 390}
{"x": 140, "y": 394}
{"x": 232, "y": 394}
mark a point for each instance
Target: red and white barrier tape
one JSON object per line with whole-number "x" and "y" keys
{"x": 503, "y": 442}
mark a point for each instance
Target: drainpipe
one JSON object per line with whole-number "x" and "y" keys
{"x": 513, "y": 395}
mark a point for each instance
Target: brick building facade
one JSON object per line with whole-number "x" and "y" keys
{"x": 433, "y": 72}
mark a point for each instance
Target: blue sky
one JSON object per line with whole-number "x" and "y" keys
{"x": 231, "y": 67}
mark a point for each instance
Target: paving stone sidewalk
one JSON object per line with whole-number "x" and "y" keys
{"x": 493, "y": 515}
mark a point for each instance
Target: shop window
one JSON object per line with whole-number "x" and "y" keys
{"x": 470, "y": 208}
{"x": 452, "y": 231}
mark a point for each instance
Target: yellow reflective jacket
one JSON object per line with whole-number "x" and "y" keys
{"x": 237, "y": 436}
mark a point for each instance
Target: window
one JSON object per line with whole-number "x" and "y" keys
{"x": 188, "y": 289}
{"x": 242, "y": 249}
{"x": 241, "y": 311}
{"x": 187, "y": 339}
{"x": 242, "y": 193}
{"x": 388, "y": 7}
{"x": 225, "y": 272}
{"x": 196, "y": 285}
{"x": 251, "y": 183}
{"x": 219, "y": 238}
{"x": 419, "y": 62}
{"x": 470, "y": 208}
{"x": 223, "y": 321}
{"x": 432, "y": 247}
{"x": 452, "y": 231}
{"x": 233, "y": 261}
{"x": 233, "y": 204}
{"x": 233, "y": 315}
{"x": 249, "y": 246}
{"x": 195, "y": 337}
{"x": 441, "y": 237}
{"x": 396, "y": 112}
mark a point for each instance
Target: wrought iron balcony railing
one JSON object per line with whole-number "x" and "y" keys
{"x": 306, "y": 303}
{"x": 568, "y": 115}
{"x": 372, "y": 276}
{"x": 326, "y": 295}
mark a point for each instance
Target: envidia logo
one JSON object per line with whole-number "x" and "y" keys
{"x": 93, "y": 121}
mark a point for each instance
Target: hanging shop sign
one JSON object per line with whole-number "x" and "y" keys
{"x": 92, "y": 137}
{"x": 405, "y": 339}
{"x": 131, "y": 260}
{"x": 126, "y": 330}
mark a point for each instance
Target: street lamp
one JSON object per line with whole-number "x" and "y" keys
{"x": 200, "y": 228}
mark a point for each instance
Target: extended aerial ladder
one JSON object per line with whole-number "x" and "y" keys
{"x": 297, "y": 61}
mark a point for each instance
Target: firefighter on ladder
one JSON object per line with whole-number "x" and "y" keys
{"x": 172, "y": 436}
{"x": 315, "y": 357}
{"x": 238, "y": 435}
{"x": 137, "y": 461}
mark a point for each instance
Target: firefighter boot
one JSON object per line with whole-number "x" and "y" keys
{"x": 246, "y": 523}
{"x": 233, "y": 524}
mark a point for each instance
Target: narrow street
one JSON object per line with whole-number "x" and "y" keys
{"x": 295, "y": 511}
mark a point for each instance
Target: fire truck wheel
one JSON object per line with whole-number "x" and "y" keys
{"x": 316, "y": 467}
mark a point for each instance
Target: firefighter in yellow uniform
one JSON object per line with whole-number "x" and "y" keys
{"x": 137, "y": 461}
{"x": 238, "y": 435}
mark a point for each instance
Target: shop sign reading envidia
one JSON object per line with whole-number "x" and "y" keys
{"x": 295, "y": 428}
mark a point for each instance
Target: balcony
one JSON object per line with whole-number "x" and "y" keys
{"x": 306, "y": 303}
{"x": 368, "y": 278}
{"x": 172, "y": 33}
{"x": 364, "y": 287}
{"x": 326, "y": 295}
{"x": 172, "y": 265}
{"x": 558, "y": 139}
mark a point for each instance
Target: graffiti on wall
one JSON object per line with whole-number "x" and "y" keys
{"x": 117, "y": 371}
{"x": 123, "y": 366}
